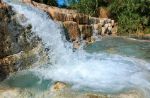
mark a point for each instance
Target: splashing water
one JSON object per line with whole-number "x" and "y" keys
{"x": 96, "y": 72}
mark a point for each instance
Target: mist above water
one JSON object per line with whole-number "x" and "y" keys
{"x": 102, "y": 72}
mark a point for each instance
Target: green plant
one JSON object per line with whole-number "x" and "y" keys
{"x": 132, "y": 15}
{"x": 89, "y": 7}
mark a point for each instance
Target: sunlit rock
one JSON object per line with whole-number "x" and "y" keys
{"x": 81, "y": 18}
{"x": 58, "y": 86}
{"x": 72, "y": 30}
{"x": 64, "y": 15}
{"x": 98, "y": 28}
{"x": 27, "y": 1}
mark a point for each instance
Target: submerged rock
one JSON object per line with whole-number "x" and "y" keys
{"x": 58, "y": 86}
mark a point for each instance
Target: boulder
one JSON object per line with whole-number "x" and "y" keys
{"x": 58, "y": 86}
{"x": 72, "y": 30}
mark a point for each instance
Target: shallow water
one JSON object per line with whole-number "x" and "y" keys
{"x": 110, "y": 66}
{"x": 122, "y": 46}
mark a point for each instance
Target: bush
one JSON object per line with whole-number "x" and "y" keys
{"x": 132, "y": 15}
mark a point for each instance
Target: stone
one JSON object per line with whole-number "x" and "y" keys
{"x": 26, "y": 1}
{"x": 102, "y": 22}
{"x": 58, "y": 86}
{"x": 81, "y": 18}
{"x": 51, "y": 11}
{"x": 112, "y": 23}
{"x": 86, "y": 31}
{"x": 104, "y": 30}
{"x": 98, "y": 28}
{"x": 72, "y": 30}
{"x": 94, "y": 20}
{"x": 76, "y": 45}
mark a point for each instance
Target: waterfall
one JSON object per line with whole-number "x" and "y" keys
{"x": 101, "y": 72}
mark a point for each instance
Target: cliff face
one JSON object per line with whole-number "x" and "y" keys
{"x": 19, "y": 47}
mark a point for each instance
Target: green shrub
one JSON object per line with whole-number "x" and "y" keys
{"x": 88, "y": 6}
{"x": 132, "y": 15}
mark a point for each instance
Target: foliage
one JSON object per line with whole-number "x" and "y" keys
{"x": 88, "y": 6}
{"x": 48, "y": 2}
{"x": 132, "y": 15}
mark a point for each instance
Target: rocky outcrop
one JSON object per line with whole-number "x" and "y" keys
{"x": 84, "y": 25}
{"x": 19, "y": 47}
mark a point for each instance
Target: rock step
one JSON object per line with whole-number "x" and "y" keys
{"x": 77, "y": 23}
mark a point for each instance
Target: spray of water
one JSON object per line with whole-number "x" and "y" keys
{"x": 97, "y": 72}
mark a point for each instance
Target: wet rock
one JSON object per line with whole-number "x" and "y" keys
{"x": 72, "y": 30}
{"x": 19, "y": 47}
{"x": 81, "y": 18}
{"x": 84, "y": 22}
{"x": 76, "y": 45}
{"x": 58, "y": 86}
{"x": 94, "y": 20}
{"x": 98, "y": 28}
{"x": 86, "y": 31}
{"x": 96, "y": 96}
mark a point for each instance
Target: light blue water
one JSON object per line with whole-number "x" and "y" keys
{"x": 121, "y": 46}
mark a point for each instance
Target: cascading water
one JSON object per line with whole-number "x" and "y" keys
{"x": 102, "y": 72}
